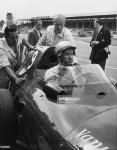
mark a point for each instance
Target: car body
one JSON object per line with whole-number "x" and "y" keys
{"x": 78, "y": 116}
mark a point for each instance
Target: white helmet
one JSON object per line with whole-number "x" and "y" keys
{"x": 63, "y": 45}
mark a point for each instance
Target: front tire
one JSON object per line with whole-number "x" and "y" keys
{"x": 8, "y": 119}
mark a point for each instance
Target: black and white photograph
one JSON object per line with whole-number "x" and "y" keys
{"x": 58, "y": 75}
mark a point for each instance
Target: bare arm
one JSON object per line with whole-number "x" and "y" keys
{"x": 11, "y": 74}
{"x": 43, "y": 40}
{"x": 26, "y": 43}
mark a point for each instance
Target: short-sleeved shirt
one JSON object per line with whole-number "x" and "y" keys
{"x": 8, "y": 57}
{"x": 49, "y": 38}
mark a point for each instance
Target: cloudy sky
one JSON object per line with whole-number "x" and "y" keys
{"x": 34, "y": 8}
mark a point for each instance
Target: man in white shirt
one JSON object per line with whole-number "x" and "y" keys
{"x": 56, "y": 33}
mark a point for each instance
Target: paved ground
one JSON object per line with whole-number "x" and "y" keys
{"x": 83, "y": 52}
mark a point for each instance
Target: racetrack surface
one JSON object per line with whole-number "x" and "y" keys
{"x": 83, "y": 51}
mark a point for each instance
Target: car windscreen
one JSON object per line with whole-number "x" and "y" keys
{"x": 91, "y": 77}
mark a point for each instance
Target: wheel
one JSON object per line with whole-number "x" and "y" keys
{"x": 8, "y": 119}
{"x": 88, "y": 77}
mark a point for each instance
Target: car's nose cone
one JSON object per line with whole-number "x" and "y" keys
{"x": 97, "y": 133}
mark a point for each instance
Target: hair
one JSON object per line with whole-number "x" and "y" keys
{"x": 100, "y": 21}
{"x": 59, "y": 16}
{"x": 11, "y": 28}
{"x": 36, "y": 20}
{"x": 2, "y": 21}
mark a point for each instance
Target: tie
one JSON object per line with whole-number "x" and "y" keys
{"x": 40, "y": 34}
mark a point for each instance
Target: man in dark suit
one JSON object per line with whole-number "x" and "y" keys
{"x": 101, "y": 39}
{"x": 35, "y": 34}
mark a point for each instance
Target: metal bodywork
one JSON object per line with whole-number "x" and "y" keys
{"x": 84, "y": 117}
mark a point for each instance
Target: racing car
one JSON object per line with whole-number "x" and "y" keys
{"x": 77, "y": 116}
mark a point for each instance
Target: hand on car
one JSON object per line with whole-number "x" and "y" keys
{"x": 31, "y": 47}
{"x": 18, "y": 80}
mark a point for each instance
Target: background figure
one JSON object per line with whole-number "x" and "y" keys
{"x": 35, "y": 34}
{"x": 2, "y": 25}
{"x": 56, "y": 33}
{"x": 101, "y": 39}
{"x": 9, "y": 19}
{"x": 2, "y": 28}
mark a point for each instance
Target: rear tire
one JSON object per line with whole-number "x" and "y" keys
{"x": 8, "y": 119}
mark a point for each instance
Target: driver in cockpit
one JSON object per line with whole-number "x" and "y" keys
{"x": 64, "y": 72}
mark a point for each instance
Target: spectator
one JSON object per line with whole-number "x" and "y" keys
{"x": 101, "y": 39}
{"x": 35, "y": 34}
{"x": 56, "y": 33}
{"x": 10, "y": 56}
{"x": 2, "y": 26}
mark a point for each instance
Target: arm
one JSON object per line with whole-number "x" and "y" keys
{"x": 5, "y": 64}
{"x": 43, "y": 40}
{"x": 11, "y": 74}
{"x": 26, "y": 43}
{"x": 50, "y": 76}
{"x": 106, "y": 39}
{"x": 31, "y": 38}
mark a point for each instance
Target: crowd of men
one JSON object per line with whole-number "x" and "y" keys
{"x": 56, "y": 35}
{"x": 11, "y": 45}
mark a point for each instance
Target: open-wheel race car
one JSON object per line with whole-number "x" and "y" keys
{"x": 77, "y": 116}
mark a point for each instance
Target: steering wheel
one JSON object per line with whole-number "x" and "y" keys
{"x": 28, "y": 63}
{"x": 85, "y": 77}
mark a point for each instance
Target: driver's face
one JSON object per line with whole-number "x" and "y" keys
{"x": 67, "y": 57}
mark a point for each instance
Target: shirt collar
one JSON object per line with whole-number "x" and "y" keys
{"x": 61, "y": 34}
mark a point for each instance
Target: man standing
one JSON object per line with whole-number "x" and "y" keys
{"x": 35, "y": 34}
{"x": 56, "y": 33}
{"x": 101, "y": 39}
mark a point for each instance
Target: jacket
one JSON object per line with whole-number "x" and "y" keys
{"x": 104, "y": 37}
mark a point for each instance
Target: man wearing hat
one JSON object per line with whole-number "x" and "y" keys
{"x": 65, "y": 52}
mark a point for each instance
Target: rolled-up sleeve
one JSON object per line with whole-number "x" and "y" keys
{"x": 3, "y": 59}
{"x": 43, "y": 40}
